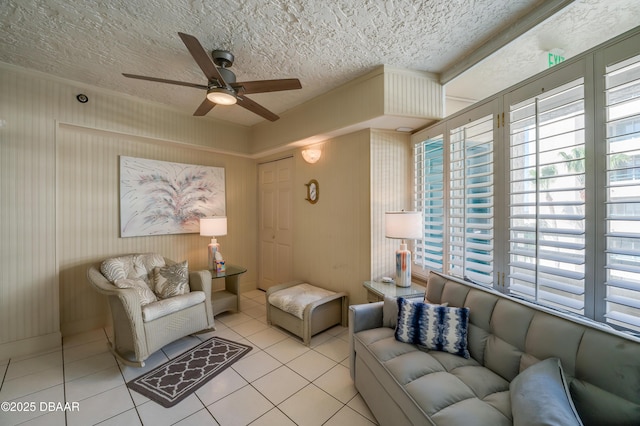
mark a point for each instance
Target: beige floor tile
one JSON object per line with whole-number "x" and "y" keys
{"x": 180, "y": 346}
{"x": 128, "y": 418}
{"x": 319, "y": 339}
{"x": 220, "y": 386}
{"x": 101, "y": 407}
{"x": 201, "y": 418}
{"x": 347, "y": 416}
{"x": 267, "y": 337}
{"x": 358, "y": 404}
{"x": 157, "y": 358}
{"x": 311, "y": 365}
{"x": 31, "y": 383}
{"x": 254, "y": 366}
{"x": 93, "y": 384}
{"x": 336, "y": 349}
{"x": 255, "y": 294}
{"x": 240, "y": 408}
{"x": 233, "y": 319}
{"x": 53, "y": 394}
{"x": 84, "y": 350}
{"x": 280, "y": 384}
{"x": 228, "y": 333}
{"x": 55, "y": 418}
{"x": 250, "y": 327}
{"x": 272, "y": 418}
{"x": 287, "y": 350}
{"x": 337, "y": 383}
{"x": 155, "y": 414}
{"x": 82, "y": 338}
{"x": 36, "y": 364}
{"x": 310, "y": 406}
{"x": 257, "y": 312}
{"x": 89, "y": 365}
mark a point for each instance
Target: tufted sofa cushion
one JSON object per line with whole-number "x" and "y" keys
{"x": 447, "y": 388}
{"x": 133, "y": 266}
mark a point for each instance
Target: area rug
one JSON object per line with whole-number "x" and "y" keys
{"x": 174, "y": 380}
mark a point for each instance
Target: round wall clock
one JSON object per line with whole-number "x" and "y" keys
{"x": 313, "y": 191}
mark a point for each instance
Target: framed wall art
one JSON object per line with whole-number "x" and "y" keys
{"x": 159, "y": 197}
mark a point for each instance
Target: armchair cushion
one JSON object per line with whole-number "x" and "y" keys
{"x": 173, "y": 304}
{"x": 131, "y": 266}
{"x": 144, "y": 292}
{"x": 171, "y": 280}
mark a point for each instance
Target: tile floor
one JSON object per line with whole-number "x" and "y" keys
{"x": 280, "y": 382}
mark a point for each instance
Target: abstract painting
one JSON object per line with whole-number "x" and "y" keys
{"x": 159, "y": 197}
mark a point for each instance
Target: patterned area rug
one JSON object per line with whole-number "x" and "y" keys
{"x": 174, "y": 380}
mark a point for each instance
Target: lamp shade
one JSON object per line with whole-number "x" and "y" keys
{"x": 213, "y": 226}
{"x": 405, "y": 225}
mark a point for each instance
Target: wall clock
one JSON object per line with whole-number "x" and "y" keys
{"x": 313, "y": 191}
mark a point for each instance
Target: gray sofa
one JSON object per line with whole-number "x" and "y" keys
{"x": 404, "y": 384}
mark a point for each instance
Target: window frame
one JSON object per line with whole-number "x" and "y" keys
{"x": 590, "y": 66}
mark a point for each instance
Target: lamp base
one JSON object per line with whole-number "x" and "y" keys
{"x": 403, "y": 266}
{"x": 212, "y": 249}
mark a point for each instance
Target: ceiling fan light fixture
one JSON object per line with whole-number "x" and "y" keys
{"x": 221, "y": 96}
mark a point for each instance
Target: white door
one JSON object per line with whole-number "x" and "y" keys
{"x": 275, "y": 255}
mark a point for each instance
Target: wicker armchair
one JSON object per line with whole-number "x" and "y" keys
{"x": 137, "y": 336}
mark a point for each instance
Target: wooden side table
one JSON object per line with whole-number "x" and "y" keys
{"x": 229, "y": 298}
{"x": 376, "y": 291}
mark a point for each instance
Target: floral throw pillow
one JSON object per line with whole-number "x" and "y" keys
{"x": 144, "y": 292}
{"x": 171, "y": 280}
{"x": 436, "y": 327}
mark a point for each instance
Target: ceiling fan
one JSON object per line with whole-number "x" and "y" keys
{"x": 222, "y": 87}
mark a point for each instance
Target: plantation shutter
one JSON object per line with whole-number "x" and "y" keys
{"x": 622, "y": 83}
{"x": 471, "y": 201}
{"x": 547, "y": 197}
{"x": 429, "y": 198}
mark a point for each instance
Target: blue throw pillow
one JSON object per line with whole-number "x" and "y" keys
{"x": 540, "y": 396}
{"x": 436, "y": 327}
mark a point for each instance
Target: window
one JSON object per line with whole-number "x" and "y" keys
{"x": 429, "y": 190}
{"x": 547, "y": 198}
{"x": 471, "y": 201}
{"x": 622, "y": 93}
{"x": 536, "y": 192}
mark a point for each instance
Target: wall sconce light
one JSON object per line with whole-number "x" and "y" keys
{"x": 311, "y": 155}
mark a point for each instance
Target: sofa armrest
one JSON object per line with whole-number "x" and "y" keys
{"x": 365, "y": 316}
{"x": 201, "y": 281}
{"x": 362, "y": 317}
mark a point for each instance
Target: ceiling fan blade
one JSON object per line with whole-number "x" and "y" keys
{"x": 163, "y": 80}
{"x": 204, "y": 108}
{"x": 262, "y": 86}
{"x": 202, "y": 59}
{"x": 254, "y": 107}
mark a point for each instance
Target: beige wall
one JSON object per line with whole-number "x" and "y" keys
{"x": 331, "y": 238}
{"x": 59, "y": 196}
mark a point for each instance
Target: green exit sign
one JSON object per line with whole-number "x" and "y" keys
{"x": 554, "y": 57}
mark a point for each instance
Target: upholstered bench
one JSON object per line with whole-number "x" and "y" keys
{"x": 304, "y": 309}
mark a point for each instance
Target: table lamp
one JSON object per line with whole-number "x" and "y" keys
{"x": 403, "y": 225}
{"x": 213, "y": 227}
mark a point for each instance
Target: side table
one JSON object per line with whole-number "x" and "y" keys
{"x": 376, "y": 291}
{"x": 229, "y": 298}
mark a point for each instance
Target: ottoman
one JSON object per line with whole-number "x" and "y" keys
{"x": 304, "y": 309}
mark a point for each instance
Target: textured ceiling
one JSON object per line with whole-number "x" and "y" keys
{"x": 324, "y": 44}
